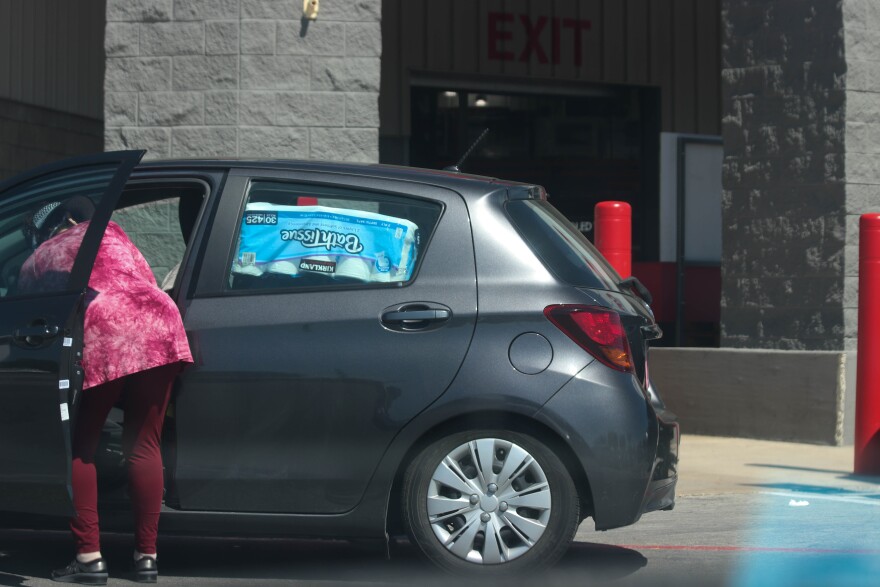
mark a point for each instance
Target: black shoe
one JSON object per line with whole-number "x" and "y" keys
{"x": 91, "y": 573}
{"x": 145, "y": 570}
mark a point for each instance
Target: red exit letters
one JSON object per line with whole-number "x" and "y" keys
{"x": 500, "y": 34}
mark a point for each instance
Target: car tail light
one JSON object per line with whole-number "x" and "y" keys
{"x": 598, "y": 331}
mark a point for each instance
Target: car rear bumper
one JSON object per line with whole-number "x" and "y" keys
{"x": 628, "y": 450}
{"x": 660, "y": 494}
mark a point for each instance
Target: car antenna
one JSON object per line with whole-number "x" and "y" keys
{"x": 457, "y": 167}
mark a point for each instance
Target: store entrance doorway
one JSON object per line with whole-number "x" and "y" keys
{"x": 584, "y": 147}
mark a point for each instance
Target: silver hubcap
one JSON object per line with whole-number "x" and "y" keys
{"x": 488, "y": 501}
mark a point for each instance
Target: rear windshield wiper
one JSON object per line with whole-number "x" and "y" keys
{"x": 633, "y": 283}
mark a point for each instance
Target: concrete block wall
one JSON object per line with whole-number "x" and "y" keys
{"x": 861, "y": 29}
{"x": 249, "y": 78}
{"x": 794, "y": 396}
{"x": 784, "y": 94}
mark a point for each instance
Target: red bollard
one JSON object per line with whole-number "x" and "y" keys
{"x": 613, "y": 234}
{"x": 867, "y": 447}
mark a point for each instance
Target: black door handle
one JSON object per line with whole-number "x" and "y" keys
{"x": 416, "y": 316}
{"x": 41, "y": 331}
{"x": 35, "y": 335}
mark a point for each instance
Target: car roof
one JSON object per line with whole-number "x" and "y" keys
{"x": 377, "y": 170}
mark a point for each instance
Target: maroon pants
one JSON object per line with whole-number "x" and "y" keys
{"x": 144, "y": 397}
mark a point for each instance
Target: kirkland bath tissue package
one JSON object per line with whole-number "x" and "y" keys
{"x": 295, "y": 240}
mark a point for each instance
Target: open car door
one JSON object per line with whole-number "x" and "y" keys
{"x": 41, "y": 329}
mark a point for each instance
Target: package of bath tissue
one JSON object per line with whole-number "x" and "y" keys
{"x": 298, "y": 240}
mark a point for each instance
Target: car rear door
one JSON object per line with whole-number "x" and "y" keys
{"x": 41, "y": 331}
{"x": 301, "y": 382}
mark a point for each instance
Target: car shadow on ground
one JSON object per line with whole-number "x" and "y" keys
{"x": 27, "y": 555}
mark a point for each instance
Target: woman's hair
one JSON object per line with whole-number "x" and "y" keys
{"x": 49, "y": 218}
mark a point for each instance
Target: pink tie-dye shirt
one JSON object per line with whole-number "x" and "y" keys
{"x": 130, "y": 324}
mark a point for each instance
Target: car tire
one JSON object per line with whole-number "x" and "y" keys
{"x": 466, "y": 523}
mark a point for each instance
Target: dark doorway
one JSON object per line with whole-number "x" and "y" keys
{"x": 601, "y": 144}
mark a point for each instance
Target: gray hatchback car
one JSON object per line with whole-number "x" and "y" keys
{"x": 378, "y": 351}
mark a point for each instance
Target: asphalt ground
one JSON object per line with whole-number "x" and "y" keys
{"x": 752, "y": 513}
{"x": 749, "y": 514}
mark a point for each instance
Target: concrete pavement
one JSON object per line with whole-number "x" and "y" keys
{"x": 715, "y": 465}
{"x": 754, "y": 513}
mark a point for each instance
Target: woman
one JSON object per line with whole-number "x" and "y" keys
{"x": 134, "y": 346}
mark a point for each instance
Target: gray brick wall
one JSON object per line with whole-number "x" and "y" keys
{"x": 801, "y": 91}
{"x": 785, "y": 204}
{"x": 226, "y": 78}
{"x": 861, "y": 24}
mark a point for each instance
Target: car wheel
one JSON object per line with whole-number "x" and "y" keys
{"x": 490, "y": 502}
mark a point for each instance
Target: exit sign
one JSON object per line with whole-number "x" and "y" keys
{"x": 523, "y": 37}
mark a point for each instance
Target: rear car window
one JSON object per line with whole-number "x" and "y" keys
{"x": 563, "y": 249}
{"x": 295, "y": 235}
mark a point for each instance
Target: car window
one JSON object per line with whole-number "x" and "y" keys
{"x": 563, "y": 249}
{"x": 28, "y": 215}
{"x": 159, "y": 220}
{"x": 150, "y": 228}
{"x": 297, "y": 235}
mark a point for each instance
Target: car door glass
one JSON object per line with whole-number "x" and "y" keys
{"x": 159, "y": 218}
{"x": 297, "y": 235}
{"x": 562, "y": 248}
{"x": 29, "y": 219}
